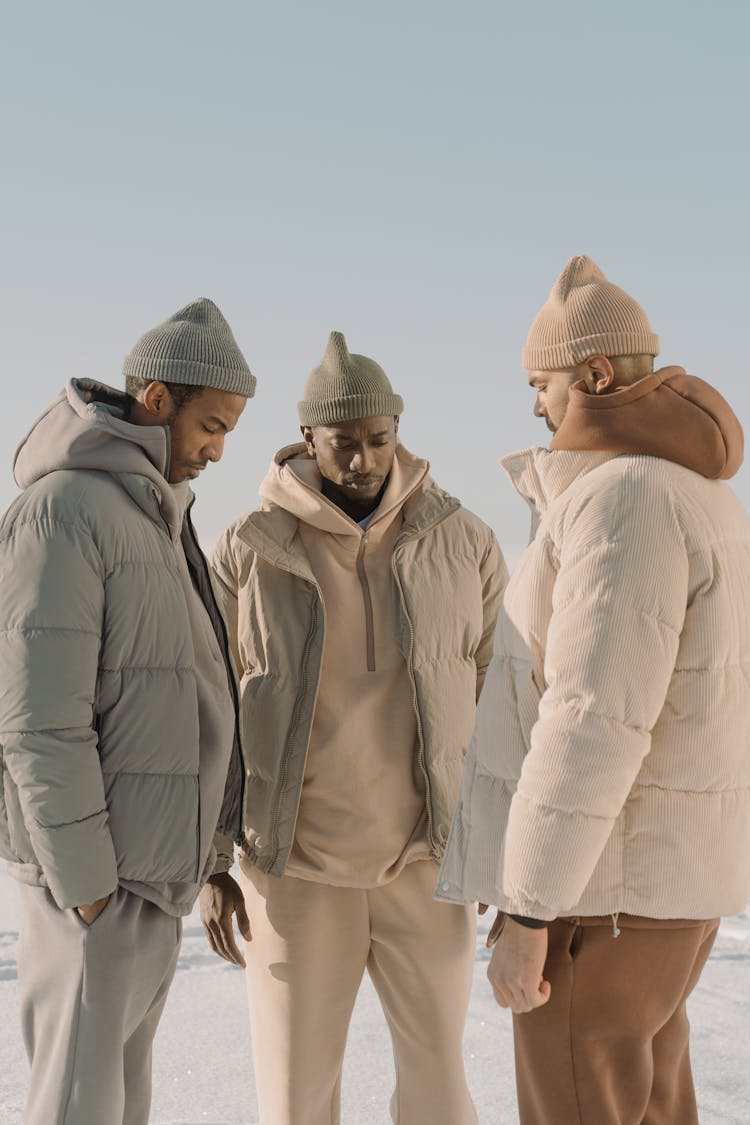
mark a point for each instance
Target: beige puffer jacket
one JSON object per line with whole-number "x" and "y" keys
{"x": 610, "y": 766}
{"x": 448, "y": 577}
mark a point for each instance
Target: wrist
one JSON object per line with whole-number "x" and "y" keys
{"x": 529, "y": 923}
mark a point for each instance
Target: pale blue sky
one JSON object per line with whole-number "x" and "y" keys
{"x": 412, "y": 174}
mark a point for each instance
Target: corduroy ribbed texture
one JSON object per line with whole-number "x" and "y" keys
{"x": 345, "y": 386}
{"x": 195, "y": 346}
{"x": 608, "y": 770}
{"x": 586, "y": 315}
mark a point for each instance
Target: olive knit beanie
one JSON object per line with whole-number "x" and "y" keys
{"x": 194, "y": 346}
{"x": 586, "y": 315}
{"x": 345, "y": 386}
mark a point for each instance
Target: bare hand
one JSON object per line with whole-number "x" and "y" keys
{"x": 91, "y": 911}
{"x": 516, "y": 967}
{"x": 220, "y": 899}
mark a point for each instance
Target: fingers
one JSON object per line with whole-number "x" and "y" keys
{"x": 482, "y": 908}
{"x": 243, "y": 922}
{"x": 496, "y": 929}
{"x": 221, "y": 936}
{"x": 516, "y": 968}
{"x": 220, "y": 899}
{"x": 210, "y": 937}
{"x": 520, "y": 996}
{"x": 233, "y": 951}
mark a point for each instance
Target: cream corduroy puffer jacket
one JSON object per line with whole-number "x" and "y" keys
{"x": 610, "y": 765}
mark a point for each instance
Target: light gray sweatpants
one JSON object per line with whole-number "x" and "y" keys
{"x": 91, "y": 999}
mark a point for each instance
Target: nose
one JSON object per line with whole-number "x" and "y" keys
{"x": 361, "y": 462}
{"x": 539, "y": 411}
{"x": 214, "y": 447}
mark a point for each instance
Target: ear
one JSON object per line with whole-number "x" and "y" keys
{"x": 157, "y": 402}
{"x": 308, "y": 438}
{"x": 599, "y": 374}
{"x": 395, "y": 422}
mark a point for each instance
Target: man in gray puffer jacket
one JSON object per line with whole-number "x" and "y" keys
{"x": 117, "y": 710}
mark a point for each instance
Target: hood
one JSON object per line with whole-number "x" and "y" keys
{"x": 85, "y": 428}
{"x": 668, "y": 414}
{"x": 294, "y": 483}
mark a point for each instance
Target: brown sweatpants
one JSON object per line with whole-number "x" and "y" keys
{"x": 91, "y": 999}
{"x": 311, "y": 945}
{"x": 611, "y": 1046}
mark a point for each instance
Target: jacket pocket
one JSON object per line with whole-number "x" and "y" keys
{"x": 89, "y": 927}
{"x": 576, "y": 941}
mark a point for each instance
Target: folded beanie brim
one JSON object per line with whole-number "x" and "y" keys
{"x": 193, "y": 372}
{"x": 569, "y": 353}
{"x": 326, "y": 412}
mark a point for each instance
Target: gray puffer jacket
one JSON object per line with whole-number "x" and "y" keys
{"x": 99, "y": 739}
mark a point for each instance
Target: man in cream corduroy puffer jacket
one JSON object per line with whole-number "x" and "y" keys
{"x": 361, "y": 600}
{"x": 117, "y": 710}
{"x": 605, "y": 804}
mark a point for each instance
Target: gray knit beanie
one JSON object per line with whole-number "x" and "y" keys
{"x": 194, "y": 346}
{"x": 345, "y": 386}
{"x": 584, "y": 315}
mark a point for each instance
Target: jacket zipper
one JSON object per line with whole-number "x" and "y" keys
{"x": 290, "y": 732}
{"x": 310, "y": 581}
{"x": 421, "y": 757}
{"x": 226, "y": 653}
{"x": 367, "y": 598}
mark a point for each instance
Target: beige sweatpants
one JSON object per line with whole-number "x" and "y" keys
{"x": 91, "y": 999}
{"x": 311, "y": 945}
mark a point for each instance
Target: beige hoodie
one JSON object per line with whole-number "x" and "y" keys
{"x": 362, "y": 813}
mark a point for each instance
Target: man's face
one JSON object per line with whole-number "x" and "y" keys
{"x": 198, "y": 429}
{"x": 356, "y": 455}
{"x": 552, "y": 394}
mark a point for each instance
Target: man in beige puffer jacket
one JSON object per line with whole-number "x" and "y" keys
{"x": 362, "y": 601}
{"x": 117, "y": 710}
{"x": 605, "y": 804}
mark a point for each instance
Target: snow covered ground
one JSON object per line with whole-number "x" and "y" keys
{"x": 202, "y": 1067}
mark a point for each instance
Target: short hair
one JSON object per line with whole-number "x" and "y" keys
{"x": 181, "y": 392}
{"x": 632, "y": 367}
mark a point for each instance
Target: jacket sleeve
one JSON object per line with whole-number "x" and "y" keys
{"x": 224, "y": 570}
{"x": 494, "y": 576}
{"x": 618, "y": 609}
{"x": 224, "y": 577}
{"x": 51, "y": 626}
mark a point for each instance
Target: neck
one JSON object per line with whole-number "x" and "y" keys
{"x": 356, "y": 509}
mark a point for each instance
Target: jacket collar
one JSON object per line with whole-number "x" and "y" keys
{"x": 541, "y": 475}
{"x": 272, "y": 532}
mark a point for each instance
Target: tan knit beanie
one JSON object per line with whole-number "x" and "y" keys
{"x": 194, "y": 346}
{"x": 345, "y": 386}
{"x": 586, "y": 315}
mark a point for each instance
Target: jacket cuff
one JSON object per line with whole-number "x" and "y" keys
{"x": 78, "y": 860}
{"x": 224, "y": 854}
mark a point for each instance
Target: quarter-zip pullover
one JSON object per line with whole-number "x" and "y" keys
{"x": 362, "y": 813}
